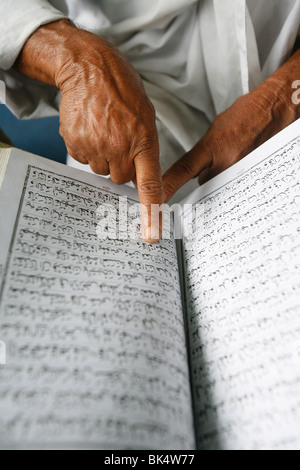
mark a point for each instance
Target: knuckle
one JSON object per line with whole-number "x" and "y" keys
{"x": 148, "y": 145}
{"x": 73, "y": 152}
{"x": 77, "y": 143}
{"x": 224, "y": 149}
{"x": 120, "y": 179}
{"x": 72, "y": 140}
{"x": 121, "y": 146}
{"x": 99, "y": 169}
{"x": 213, "y": 147}
{"x": 65, "y": 135}
{"x": 170, "y": 187}
{"x": 186, "y": 166}
{"x": 61, "y": 131}
{"x": 150, "y": 187}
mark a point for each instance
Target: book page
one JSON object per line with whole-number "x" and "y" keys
{"x": 243, "y": 301}
{"x": 96, "y": 350}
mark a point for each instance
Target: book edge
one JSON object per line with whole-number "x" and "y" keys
{"x": 5, "y": 153}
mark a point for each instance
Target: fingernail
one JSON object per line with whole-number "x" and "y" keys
{"x": 152, "y": 234}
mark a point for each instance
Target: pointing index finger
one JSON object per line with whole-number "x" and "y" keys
{"x": 151, "y": 193}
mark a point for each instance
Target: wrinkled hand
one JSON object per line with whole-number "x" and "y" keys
{"x": 248, "y": 123}
{"x": 106, "y": 118}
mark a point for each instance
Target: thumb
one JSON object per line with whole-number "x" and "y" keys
{"x": 186, "y": 168}
{"x": 209, "y": 173}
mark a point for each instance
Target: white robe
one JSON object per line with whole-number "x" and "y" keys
{"x": 196, "y": 57}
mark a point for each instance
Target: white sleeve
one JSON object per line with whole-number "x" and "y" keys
{"x": 18, "y": 20}
{"x": 27, "y": 98}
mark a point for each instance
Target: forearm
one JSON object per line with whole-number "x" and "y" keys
{"x": 46, "y": 51}
{"x": 58, "y": 51}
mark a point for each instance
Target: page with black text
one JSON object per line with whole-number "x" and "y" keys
{"x": 95, "y": 344}
{"x": 241, "y": 263}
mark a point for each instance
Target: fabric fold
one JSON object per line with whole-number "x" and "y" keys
{"x": 196, "y": 57}
{"x": 18, "y": 20}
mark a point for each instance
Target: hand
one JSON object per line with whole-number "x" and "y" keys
{"x": 106, "y": 119}
{"x": 248, "y": 123}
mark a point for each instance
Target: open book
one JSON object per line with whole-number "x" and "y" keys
{"x": 115, "y": 344}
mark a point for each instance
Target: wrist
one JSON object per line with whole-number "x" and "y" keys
{"x": 279, "y": 91}
{"x": 46, "y": 51}
{"x": 81, "y": 59}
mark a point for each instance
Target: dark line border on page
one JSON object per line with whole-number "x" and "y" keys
{"x": 13, "y": 237}
{"x": 12, "y": 241}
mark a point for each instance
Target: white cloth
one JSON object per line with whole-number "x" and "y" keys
{"x": 196, "y": 57}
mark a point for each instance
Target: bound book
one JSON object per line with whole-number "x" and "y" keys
{"x": 110, "y": 343}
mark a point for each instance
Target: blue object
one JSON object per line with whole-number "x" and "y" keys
{"x": 39, "y": 136}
